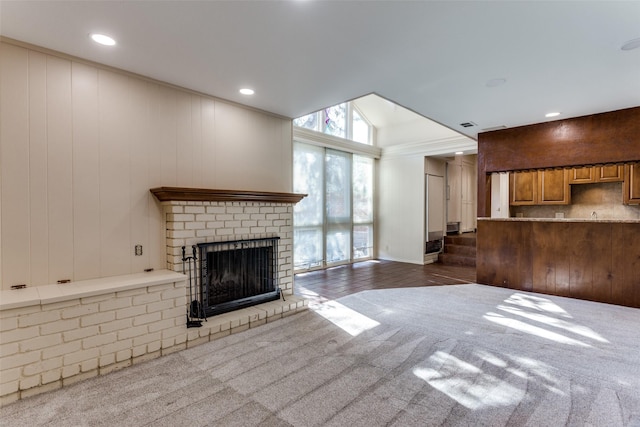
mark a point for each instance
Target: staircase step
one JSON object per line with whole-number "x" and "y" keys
{"x": 460, "y": 250}
{"x": 461, "y": 239}
{"x": 454, "y": 259}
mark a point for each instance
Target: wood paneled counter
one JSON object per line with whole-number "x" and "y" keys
{"x": 597, "y": 260}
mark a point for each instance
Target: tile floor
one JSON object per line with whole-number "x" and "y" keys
{"x": 337, "y": 282}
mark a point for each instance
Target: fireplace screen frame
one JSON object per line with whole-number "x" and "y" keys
{"x": 268, "y": 273}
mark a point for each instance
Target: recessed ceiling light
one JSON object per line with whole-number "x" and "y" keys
{"x": 103, "y": 39}
{"x": 247, "y": 91}
{"x": 458, "y": 153}
{"x": 554, "y": 114}
{"x": 631, "y": 44}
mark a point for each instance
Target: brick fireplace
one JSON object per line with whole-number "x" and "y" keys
{"x": 59, "y": 334}
{"x": 194, "y": 216}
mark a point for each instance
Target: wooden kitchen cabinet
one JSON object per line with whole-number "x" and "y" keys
{"x": 545, "y": 187}
{"x": 523, "y": 188}
{"x": 610, "y": 173}
{"x": 582, "y": 175}
{"x": 593, "y": 174}
{"x": 631, "y": 195}
{"x": 553, "y": 187}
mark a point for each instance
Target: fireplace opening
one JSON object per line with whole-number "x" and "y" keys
{"x": 237, "y": 274}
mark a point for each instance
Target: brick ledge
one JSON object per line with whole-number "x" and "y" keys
{"x": 47, "y": 294}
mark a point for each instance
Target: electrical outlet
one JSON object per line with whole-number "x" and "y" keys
{"x": 138, "y": 250}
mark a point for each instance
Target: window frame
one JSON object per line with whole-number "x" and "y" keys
{"x": 321, "y": 121}
{"x": 351, "y": 223}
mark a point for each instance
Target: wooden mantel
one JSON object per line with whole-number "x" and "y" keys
{"x": 184, "y": 194}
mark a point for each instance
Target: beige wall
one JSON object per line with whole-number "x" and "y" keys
{"x": 400, "y": 207}
{"x": 80, "y": 147}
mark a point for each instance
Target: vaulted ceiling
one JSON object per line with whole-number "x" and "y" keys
{"x": 485, "y": 63}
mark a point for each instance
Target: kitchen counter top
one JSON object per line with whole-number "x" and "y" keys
{"x": 617, "y": 221}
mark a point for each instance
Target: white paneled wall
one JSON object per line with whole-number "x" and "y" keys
{"x": 81, "y": 146}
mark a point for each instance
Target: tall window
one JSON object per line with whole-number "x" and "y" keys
{"x": 334, "y": 223}
{"x": 362, "y": 194}
{"x": 342, "y": 120}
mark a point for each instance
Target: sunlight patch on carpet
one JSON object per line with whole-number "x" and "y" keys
{"x": 467, "y": 384}
{"x": 532, "y": 330}
{"x": 556, "y": 323}
{"x": 537, "y": 303}
{"x": 347, "y": 319}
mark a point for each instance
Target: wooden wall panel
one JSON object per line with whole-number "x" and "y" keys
{"x": 581, "y": 257}
{"x": 286, "y": 134}
{"x": 14, "y": 166}
{"x": 198, "y": 162}
{"x": 209, "y": 144}
{"x": 156, "y": 245}
{"x": 551, "y": 254}
{"x": 597, "y": 261}
{"x": 504, "y": 257}
{"x": 184, "y": 141}
{"x": 626, "y": 265}
{"x": 114, "y": 123}
{"x": 230, "y": 137}
{"x": 59, "y": 169}
{"x": 81, "y": 145}
{"x": 86, "y": 172}
{"x": 611, "y": 137}
{"x": 167, "y": 136}
{"x": 139, "y": 147}
{"x": 600, "y": 235}
{"x": 38, "y": 169}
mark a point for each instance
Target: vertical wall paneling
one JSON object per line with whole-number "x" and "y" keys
{"x": 208, "y": 143}
{"x": 602, "y": 280}
{"x": 156, "y": 245}
{"x": 230, "y": 131}
{"x": 139, "y": 146}
{"x": 86, "y": 172}
{"x": 14, "y": 137}
{"x": 184, "y": 141}
{"x": 59, "y": 170}
{"x": 262, "y": 138}
{"x": 81, "y": 145}
{"x": 38, "y": 169}
{"x": 114, "y": 100}
{"x": 166, "y": 123}
{"x": 286, "y": 138}
{"x": 196, "y": 132}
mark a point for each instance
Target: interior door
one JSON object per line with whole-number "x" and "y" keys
{"x": 435, "y": 212}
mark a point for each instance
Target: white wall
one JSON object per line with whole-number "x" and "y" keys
{"x": 462, "y": 191}
{"x": 400, "y": 209}
{"x": 500, "y": 195}
{"x": 80, "y": 147}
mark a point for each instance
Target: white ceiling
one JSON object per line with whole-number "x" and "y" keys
{"x": 432, "y": 57}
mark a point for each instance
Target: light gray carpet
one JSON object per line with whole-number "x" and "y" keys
{"x": 453, "y": 355}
